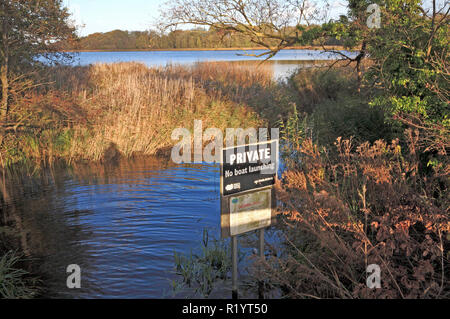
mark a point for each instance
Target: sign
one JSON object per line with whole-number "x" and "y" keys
{"x": 250, "y": 212}
{"x": 248, "y": 167}
{"x": 248, "y": 173}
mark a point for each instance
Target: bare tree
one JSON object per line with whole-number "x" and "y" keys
{"x": 271, "y": 24}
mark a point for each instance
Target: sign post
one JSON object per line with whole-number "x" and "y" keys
{"x": 234, "y": 261}
{"x": 247, "y": 175}
{"x": 262, "y": 256}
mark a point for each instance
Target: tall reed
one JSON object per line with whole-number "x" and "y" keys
{"x": 101, "y": 111}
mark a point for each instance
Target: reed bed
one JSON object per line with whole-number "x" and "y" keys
{"x": 105, "y": 110}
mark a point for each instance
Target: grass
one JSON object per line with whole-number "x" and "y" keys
{"x": 15, "y": 282}
{"x": 98, "y": 112}
{"x": 200, "y": 273}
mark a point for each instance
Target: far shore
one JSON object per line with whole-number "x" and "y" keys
{"x": 317, "y": 48}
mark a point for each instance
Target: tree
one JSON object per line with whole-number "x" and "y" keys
{"x": 410, "y": 62}
{"x": 406, "y": 40}
{"x": 353, "y": 30}
{"x": 268, "y": 23}
{"x": 29, "y": 28}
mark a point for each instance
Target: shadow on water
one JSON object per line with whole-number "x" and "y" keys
{"x": 121, "y": 223}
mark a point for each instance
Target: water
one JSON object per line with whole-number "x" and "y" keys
{"x": 285, "y": 62}
{"x": 121, "y": 223}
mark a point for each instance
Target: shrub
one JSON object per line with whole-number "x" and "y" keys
{"x": 331, "y": 106}
{"x": 357, "y": 205}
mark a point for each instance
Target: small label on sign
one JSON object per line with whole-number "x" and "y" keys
{"x": 250, "y": 212}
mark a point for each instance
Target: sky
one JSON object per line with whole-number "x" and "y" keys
{"x": 131, "y": 15}
{"x": 108, "y": 15}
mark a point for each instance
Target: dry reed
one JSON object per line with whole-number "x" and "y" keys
{"x": 100, "y": 111}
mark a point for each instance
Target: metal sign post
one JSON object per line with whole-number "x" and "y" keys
{"x": 262, "y": 256}
{"x": 247, "y": 175}
{"x": 234, "y": 261}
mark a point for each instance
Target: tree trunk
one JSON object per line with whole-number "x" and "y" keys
{"x": 4, "y": 64}
{"x": 359, "y": 59}
{"x": 359, "y": 73}
{"x": 5, "y": 88}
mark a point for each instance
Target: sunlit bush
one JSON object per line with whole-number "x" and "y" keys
{"x": 352, "y": 205}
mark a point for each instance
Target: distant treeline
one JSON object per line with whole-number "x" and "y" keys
{"x": 179, "y": 39}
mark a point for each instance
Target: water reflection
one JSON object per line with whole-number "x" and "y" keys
{"x": 121, "y": 223}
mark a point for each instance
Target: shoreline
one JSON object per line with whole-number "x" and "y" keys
{"x": 315, "y": 48}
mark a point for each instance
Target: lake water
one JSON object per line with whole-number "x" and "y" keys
{"x": 283, "y": 63}
{"x": 121, "y": 223}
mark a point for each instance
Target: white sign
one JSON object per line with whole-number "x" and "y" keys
{"x": 250, "y": 212}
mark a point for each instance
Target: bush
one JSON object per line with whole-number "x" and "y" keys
{"x": 348, "y": 117}
{"x": 331, "y": 106}
{"x": 350, "y": 206}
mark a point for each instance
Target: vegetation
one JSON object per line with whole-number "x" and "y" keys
{"x": 146, "y": 40}
{"x": 367, "y": 173}
{"x": 412, "y": 69}
{"x": 197, "y": 38}
{"x": 349, "y": 197}
{"x": 28, "y": 28}
{"x": 203, "y": 272}
{"x": 362, "y": 204}
{"x": 87, "y": 113}
{"x": 15, "y": 282}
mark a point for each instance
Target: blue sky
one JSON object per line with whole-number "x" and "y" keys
{"x": 131, "y": 15}
{"x": 107, "y": 15}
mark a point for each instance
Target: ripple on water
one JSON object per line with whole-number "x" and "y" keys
{"x": 122, "y": 227}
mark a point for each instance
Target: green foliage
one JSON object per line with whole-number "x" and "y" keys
{"x": 202, "y": 272}
{"x": 15, "y": 282}
{"x": 63, "y": 140}
{"x": 29, "y": 29}
{"x": 179, "y": 39}
{"x": 293, "y": 132}
{"x": 407, "y": 70}
{"x": 347, "y": 117}
{"x": 334, "y": 108}
{"x": 410, "y": 55}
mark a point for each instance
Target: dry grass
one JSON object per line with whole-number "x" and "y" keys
{"x": 97, "y": 112}
{"x": 354, "y": 205}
